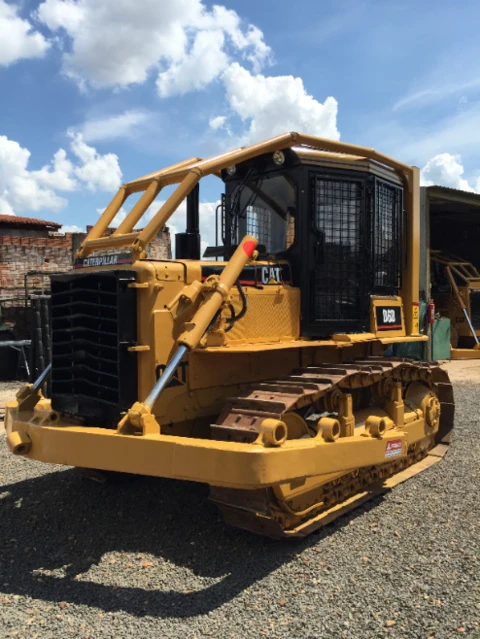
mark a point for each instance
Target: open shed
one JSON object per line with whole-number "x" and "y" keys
{"x": 451, "y": 227}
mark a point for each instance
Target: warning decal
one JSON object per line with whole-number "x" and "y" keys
{"x": 415, "y": 314}
{"x": 394, "y": 448}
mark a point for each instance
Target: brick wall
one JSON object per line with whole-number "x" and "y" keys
{"x": 56, "y": 252}
{"x": 160, "y": 247}
{"x": 18, "y": 255}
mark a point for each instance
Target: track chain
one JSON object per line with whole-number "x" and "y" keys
{"x": 318, "y": 386}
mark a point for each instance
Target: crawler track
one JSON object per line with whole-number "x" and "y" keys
{"x": 307, "y": 393}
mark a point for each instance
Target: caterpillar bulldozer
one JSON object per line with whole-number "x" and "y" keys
{"x": 456, "y": 293}
{"x": 263, "y": 373}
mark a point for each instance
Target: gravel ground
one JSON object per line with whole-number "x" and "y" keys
{"x": 152, "y": 558}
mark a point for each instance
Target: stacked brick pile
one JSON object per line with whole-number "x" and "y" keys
{"x": 158, "y": 249}
{"x": 28, "y": 244}
{"x": 18, "y": 255}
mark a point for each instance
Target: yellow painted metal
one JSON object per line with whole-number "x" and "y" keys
{"x": 328, "y": 159}
{"x": 212, "y": 374}
{"x": 390, "y": 302}
{"x": 273, "y": 315}
{"x": 276, "y": 345}
{"x": 419, "y": 424}
{"x": 174, "y": 307}
{"x": 216, "y": 295}
{"x": 346, "y": 338}
{"x": 142, "y": 183}
{"x": 105, "y": 219}
{"x": 19, "y": 442}
{"x": 464, "y": 353}
{"x": 411, "y": 275}
{"x": 297, "y": 467}
{"x": 159, "y": 220}
{"x": 399, "y": 340}
{"x": 139, "y": 209}
{"x": 189, "y": 175}
{"x": 107, "y": 242}
{"x": 214, "y": 462}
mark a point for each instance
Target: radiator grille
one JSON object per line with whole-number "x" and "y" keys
{"x": 93, "y": 323}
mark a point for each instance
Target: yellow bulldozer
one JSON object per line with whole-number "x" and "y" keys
{"x": 262, "y": 374}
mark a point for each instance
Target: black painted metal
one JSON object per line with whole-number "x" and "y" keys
{"x": 94, "y": 321}
{"x": 386, "y": 233}
{"x": 187, "y": 246}
{"x": 348, "y": 240}
{"x": 339, "y": 228}
{"x": 475, "y": 309}
{"x": 193, "y": 224}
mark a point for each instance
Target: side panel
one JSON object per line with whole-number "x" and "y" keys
{"x": 273, "y": 315}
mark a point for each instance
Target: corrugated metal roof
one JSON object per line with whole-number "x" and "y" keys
{"x": 437, "y": 189}
{"x": 15, "y": 220}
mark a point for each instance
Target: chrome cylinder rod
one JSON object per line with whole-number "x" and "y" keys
{"x": 41, "y": 378}
{"x": 166, "y": 377}
{"x": 472, "y": 330}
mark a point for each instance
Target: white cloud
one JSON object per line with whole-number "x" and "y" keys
{"x": 24, "y": 190}
{"x": 119, "y": 217}
{"x": 113, "y": 43}
{"x": 18, "y": 40}
{"x": 19, "y": 188}
{"x": 6, "y": 207}
{"x": 446, "y": 170}
{"x": 114, "y": 126}
{"x": 66, "y": 15}
{"x": 271, "y": 105}
{"x": 98, "y": 172}
{"x": 249, "y": 42}
{"x": 199, "y": 67}
{"x": 217, "y": 122}
{"x": 207, "y": 224}
{"x": 57, "y": 175}
{"x": 71, "y": 228}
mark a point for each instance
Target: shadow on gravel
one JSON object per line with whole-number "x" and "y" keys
{"x": 59, "y": 520}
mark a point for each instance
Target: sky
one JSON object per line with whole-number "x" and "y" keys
{"x": 94, "y": 94}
